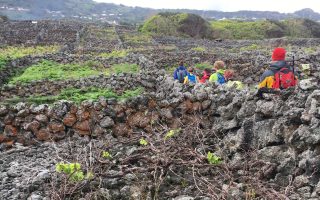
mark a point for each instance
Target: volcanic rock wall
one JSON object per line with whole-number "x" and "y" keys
{"x": 283, "y": 129}
{"x": 42, "y": 32}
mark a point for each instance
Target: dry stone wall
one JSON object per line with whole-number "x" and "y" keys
{"x": 17, "y": 66}
{"x": 283, "y": 130}
{"x": 42, "y": 32}
{"x": 226, "y": 109}
{"x": 118, "y": 83}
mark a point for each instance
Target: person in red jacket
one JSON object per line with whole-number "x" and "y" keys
{"x": 206, "y": 75}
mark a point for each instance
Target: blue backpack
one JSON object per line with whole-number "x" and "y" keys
{"x": 192, "y": 78}
{"x": 181, "y": 74}
{"x": 221, "y": 79}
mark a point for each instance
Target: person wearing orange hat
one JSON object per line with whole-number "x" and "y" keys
{"x": 279, "y": 75}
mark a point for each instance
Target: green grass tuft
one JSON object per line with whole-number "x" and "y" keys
{"x": 79, "y": 95}
{"x": 123, "y": 68}
{"x": 199, "y": 49}
{"x": 252, "y": 47}
{"x": 203, "y": 66}
{"x": 114, "y": 54}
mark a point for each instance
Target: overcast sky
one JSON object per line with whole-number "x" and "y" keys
{"x": 225, "y": 5}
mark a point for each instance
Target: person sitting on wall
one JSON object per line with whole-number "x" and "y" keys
{"x": 206, "y": 76}
{"x": 279, "y": 75}
{"x": 218, "y": 76}
{"x": 191, "y": 77}
{"x": 229, "y": 76}
{"x": 180, "y": 73}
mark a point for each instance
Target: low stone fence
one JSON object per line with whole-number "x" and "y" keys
{"x": 117, "y": 83}
{"x": 282, "y": 130}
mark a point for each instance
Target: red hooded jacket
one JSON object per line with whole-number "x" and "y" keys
{"x": 205, "y": 77}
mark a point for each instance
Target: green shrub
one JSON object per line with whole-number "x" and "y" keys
{"x": 73, "y": 170}
{"x": 106, "y": 155}
{"x": 177, "y": 24}
{"x": 213, "y": 159}
{"x": 143, "y": 142}
{"x": 172, "y": 133}
{"x": 295, "y": 28}
{"x": 54, "y": 71}
{"x": 3, "y": 62}
{"x": 234, "y": 29}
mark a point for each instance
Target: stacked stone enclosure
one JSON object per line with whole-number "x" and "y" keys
{"x": 283, "y": 130}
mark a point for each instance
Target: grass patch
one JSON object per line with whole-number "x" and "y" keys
{"x": 3, "y": 62}
{"x": 123, "y": 68}
{"x": 307, "y": 50}
{"x": 79, "y": 95}
{"x": 203, "y": 66}
{"x": 261, "y": 29}
{"x": 236, "y": 29}
{"x": 54, "y": 71}
{"x": 114, "y": 54}
{"x": 252, "y": 47}
{"x": 199, "y": 49}
{"x": 92, "y": 93}
{"x": 137, "y": 38}
{"x": 169, "y": 47}
{"x": 171, "y": 69}
{"x": 10, "y": 52}
{"x": 108, "y": 34}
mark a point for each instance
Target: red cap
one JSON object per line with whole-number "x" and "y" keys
{"x": 278, "y": 54}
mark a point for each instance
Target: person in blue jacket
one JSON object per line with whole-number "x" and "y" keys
{"x": 180, "y": 73}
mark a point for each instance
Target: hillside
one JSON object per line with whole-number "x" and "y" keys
{"x": 261, "y": 29}
{"x": 178, "y": 24}
{"x": 90, "y": 10}
{"x": 191, "y": 25}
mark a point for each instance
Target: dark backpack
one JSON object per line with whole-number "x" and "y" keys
{"x": 181, "y": 74}
{"x": 284, "y": 78}
{"x": 192, "y": 78}
{"x": 221, "y": 79}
